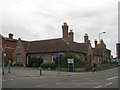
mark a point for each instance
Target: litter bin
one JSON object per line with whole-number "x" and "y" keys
{"x": 71, "y": 67}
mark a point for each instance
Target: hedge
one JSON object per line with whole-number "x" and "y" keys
{"x": 78, "y": 63}
{"x": 47, "y": 65}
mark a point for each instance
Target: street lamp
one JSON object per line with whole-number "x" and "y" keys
{"x": 100, "y": 34}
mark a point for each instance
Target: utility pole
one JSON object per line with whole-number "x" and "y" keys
{"x": 4, "y": 54}
{"x": 101, "y": 48}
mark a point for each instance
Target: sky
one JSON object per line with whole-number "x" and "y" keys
{"x": 42, "y": 19}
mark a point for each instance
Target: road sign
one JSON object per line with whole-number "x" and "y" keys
{"x": 70, "y": 60}
{"x": 56, "y": 55}
{"x": 60, "y": 53}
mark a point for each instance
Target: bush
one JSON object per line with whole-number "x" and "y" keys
{"x": 77, "y": 62}
{"x": 34, "y": 60}
{"x": 47, "y": 65}
{"x": 20, "y": 65}
{"x": 35, "y": 65}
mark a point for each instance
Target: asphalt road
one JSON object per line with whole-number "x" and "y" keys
{"x": 100, "y": 79}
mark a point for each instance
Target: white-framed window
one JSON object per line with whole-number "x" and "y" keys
{"x": 19, "y": 58}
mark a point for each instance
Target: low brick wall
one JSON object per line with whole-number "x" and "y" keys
{"x": 76, "y": 69}
{"x": 99, "y": 67}
{"x": 105, "y": 66}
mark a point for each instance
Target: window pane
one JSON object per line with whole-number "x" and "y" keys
{"x": 19, "y": 58}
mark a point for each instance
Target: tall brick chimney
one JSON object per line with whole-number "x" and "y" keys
{"x": 65, "y": 31}
{"x": 95, "y": 43}
{"x": 86, "y": 38}
{"x": 10, "y": 36}
{"x": 71, "y": 36}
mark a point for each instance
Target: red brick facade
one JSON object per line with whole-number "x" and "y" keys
{"x": 9, "y": 44}
{"x": 48, "y": 48}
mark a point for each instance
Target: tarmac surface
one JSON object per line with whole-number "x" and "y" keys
{"x": 26, "y": 77}
{"x": 35, "y": 72}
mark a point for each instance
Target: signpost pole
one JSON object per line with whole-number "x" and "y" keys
{"x": 4, "y": 54}
{"x": 60, "y": 53}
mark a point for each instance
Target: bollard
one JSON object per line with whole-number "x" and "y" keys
{"x": 40, "y": 71}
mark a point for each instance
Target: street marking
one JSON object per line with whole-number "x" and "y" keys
{"x": 4, "y": 80}
{"x": 103, "y": 85}
{"x": 75, "y": 80}
{"x": 38, "y": 86}
{"x": 60, "y": 83}
{"x": 111, "y": 78}
{"x": 11, "y": 79}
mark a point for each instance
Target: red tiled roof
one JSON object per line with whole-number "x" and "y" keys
{"x": 54, "y": 45}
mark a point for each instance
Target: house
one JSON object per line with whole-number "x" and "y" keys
{"x": 7, "y": 45}
{"x": 47, "y": 49}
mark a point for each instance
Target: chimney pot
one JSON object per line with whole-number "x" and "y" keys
{"x": 10, "y": 36}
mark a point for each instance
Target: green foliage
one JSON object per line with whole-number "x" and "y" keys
{"x": 105, "y": 62}
{"x": 77, "y": 62}
{"x": 113, "y": 62}
{"x": 35, "y": 65}
{"x": 47, "y": 65}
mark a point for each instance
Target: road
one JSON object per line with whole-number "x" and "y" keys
{"x": 100, "y": 79}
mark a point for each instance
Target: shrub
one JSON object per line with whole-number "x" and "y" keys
{"x": 77, "y": 62}
{"x": 35, "y": 65}
{"x": 20, "y": 65}
{"x": 47, "y": 65}
{"x": 34, "y": 60}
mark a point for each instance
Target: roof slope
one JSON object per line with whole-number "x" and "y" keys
{"x": 54, "y": 45}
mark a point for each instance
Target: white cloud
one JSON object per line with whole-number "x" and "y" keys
{"x": 42, "y": 19}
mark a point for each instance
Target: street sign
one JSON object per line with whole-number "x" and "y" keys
{"x": 60, "y": 53}
{"x": 5, "y": 54}
{"x": 56, "y": 55}
{"x": 70, "y": 60}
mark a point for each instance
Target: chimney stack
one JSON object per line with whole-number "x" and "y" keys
{"x": 95, "y": 43}
{"x": 10, "y": 36}
{"x": 65, "y": 31}
{"x": 71, "y": 36}
{"x": 86, "y": 38}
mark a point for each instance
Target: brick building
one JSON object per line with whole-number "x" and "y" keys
{"x": 47, "y": 49}
{"x": 9, "y": 44}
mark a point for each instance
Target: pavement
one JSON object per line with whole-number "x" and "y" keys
{"x": 50, "y": 79}
{"x": 35, "y": 72}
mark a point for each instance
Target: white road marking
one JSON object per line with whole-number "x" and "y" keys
{"x": 4, "y": 80}
{"x": 11, "y": 79}
{"x": 111, "y": 78}
{"x": 75, "y": 80}
{"x": 38, "y": 86}
{"x": 103, "y": 85}
{"x": 60, "y": 83}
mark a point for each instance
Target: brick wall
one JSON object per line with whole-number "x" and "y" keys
{"x": 19, "y": 49}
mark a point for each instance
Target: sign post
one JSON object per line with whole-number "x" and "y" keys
{"x": 4, "y": 55}
{"x": 70, "y": 62}
{"x": 60, "y": 53}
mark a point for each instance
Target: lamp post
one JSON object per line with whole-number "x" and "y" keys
{"x": 99, "y": 42}
{"x": 100, "y": 35}
{"x": 4, "y": 54}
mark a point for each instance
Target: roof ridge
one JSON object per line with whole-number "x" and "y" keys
{"x": 45, "y": 40}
